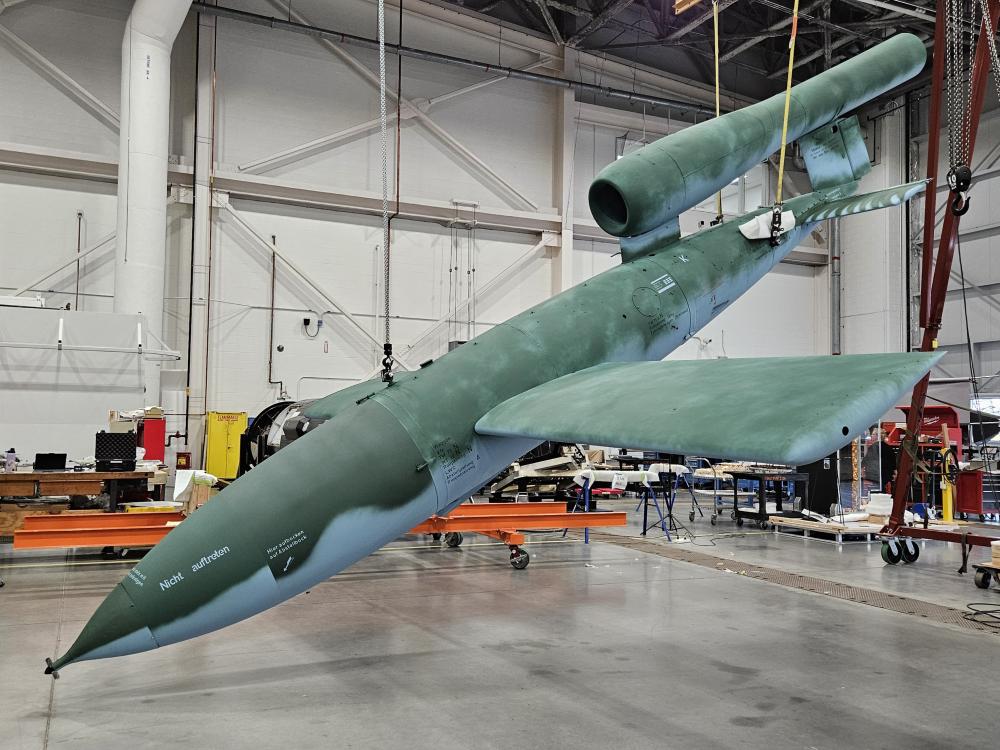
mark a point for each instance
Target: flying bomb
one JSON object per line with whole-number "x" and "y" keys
{"x": 584, "y": 366}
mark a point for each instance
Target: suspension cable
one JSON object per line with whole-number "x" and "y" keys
{"x": 715, "y": 24}
{"x": 387, "y": 359}
{"x": 776, "y": 213}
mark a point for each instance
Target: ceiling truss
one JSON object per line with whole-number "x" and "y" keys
{"x": 753, "y": 34}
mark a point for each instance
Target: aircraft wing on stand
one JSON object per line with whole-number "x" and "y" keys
{"x": 785, "y": 410}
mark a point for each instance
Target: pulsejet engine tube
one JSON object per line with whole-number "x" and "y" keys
{"x": 651, "y": 186}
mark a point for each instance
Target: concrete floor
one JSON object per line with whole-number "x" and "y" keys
{"x": 591, "y": 646}
{"x": 934, "y": 578}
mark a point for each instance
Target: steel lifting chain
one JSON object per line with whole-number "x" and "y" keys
{"x": 958, "y": 94}
{"x": 992, "y": 43}
{"x": 387, "y": 358}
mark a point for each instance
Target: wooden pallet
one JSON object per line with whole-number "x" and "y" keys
{"x": 829, "y": 531}
{"x": 12, "y": 515}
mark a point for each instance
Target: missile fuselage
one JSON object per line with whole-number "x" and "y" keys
{"x": 388, "y": 457}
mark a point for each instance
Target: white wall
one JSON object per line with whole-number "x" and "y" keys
{"x": 275, "y": 90}
{"x": 977, "y": 252}
{"x": 54, "y": 400}
{"x": 873, "y": 272}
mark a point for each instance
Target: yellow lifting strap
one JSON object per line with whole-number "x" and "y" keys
{"x": 715, "y": 21}
{"x": 788, "y": 100}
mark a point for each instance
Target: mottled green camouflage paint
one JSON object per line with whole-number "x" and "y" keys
{"x": 388, "y": 457}
{"x": 647, "y": 188}
{"x": 894, "y": 196}
{"x": 787, "y": 410}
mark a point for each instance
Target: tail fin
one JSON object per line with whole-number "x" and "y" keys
{"x": 835, "y": 155}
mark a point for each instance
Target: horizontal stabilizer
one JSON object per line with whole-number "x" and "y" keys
{"x": 788, "y": 410}
{"x": 858, "y": 204}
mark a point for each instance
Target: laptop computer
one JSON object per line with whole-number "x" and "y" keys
{"x": 50, "y": 462}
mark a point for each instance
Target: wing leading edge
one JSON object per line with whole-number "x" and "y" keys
{"x": 787, "y": 410}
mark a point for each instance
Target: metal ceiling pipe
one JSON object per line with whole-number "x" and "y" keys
{"x": 420, "y": 54}
{"x": 142, "y": 165}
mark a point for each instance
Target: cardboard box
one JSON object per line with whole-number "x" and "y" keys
{"x": 200, "y": 494}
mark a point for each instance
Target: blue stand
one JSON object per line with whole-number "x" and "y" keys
{"x": 585, "y": 495}
{"x": 649, "y": 494}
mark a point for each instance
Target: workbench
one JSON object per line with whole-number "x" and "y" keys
{"x": 37, "y": 484}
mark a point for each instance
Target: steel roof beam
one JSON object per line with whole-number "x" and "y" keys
{"x": 782, "y": 24}
{"x": 601, "y": 19}
{"x": 813, "y": 56}
{"x": 694, "y": 24}
{"x": 906, "y": 10}
{"x": 549, "y": 21}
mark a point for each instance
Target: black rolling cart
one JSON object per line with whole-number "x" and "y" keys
{"x": 782, "y": 484}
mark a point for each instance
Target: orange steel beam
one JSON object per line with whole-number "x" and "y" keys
{"x": 134, "y": 536}
{"x": 506, "y": 509}
{"x": 499, "y": 521}
{"x": 439, "y": 524}
{"x": 69, "y": 521}
{"x": 509, "y": 537}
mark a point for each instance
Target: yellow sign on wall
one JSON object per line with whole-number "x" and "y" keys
{"x": 222, "y": 442}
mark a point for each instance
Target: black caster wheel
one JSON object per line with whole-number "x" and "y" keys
{"x": 983, "y": 579}
{"x": 453, "y": 538}
{"x": 982, "y": 518}
{"x": 909, "y": 550}
{"x": 739, "y": 522}
{"x": 996, "y": 578}
{"x": 691, "y": 516}
{"x": 436, "y": 536}
{"x": 891, "y": 553}
{"x": 2, "y": 583}
{"x": 762, "y": 525}
{"x": 715, "y": 520}
{"x": 108, "y": 553}
{"x": 519, "y": 559}
{"x": 733, "y": 515}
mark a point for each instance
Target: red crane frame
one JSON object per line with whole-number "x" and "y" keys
{"x": 934, "y": 282}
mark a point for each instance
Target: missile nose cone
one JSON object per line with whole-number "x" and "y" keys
{"x": 116, "y": 628}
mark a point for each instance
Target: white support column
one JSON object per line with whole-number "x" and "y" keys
{"x": 142, "y": 173}
{"x": 562, "y": 270}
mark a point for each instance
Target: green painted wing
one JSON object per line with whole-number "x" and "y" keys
{"x": 858, "y": 204}
{"x": 781, "y": 410}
